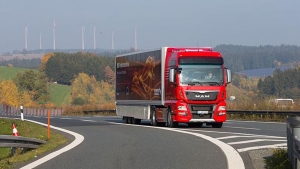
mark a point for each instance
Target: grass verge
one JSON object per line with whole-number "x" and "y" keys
{"x": 27, "y": 129}
{"x": 279, "y": 160}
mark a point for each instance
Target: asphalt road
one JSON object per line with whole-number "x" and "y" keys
{"x": 108, "y": 143}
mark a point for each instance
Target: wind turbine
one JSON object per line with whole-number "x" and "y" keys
{"x": 54, "y": 27}
{"x": 26, "y": 36}
{"x": 112, "y": 40}
{"x": 94, "y": 37}
{"x": 40, "y": 40}
{"x": 135, "y": 40}
{"x": 82, "y": 36}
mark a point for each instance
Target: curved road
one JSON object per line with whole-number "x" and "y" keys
{"x": 108, "y": 143}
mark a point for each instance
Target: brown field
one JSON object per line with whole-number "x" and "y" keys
{"x": 21, "y": 56}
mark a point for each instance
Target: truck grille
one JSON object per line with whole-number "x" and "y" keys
{"x": 206, "y": 116}
{"x": 195, "y": 108}
{"x": 201, "y": 96}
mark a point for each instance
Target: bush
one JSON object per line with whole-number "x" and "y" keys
{"x": 279, "y": 160}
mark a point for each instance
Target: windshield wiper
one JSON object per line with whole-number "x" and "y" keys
{"x": 192, "y": 83}
{"x": 213, "y": 83}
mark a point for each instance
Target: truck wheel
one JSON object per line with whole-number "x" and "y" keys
{"x": 217, "y": 125}
{"x": 170, "y": 122}
{"x": 136, "y": 121}
{"x": 125, "y": 119}
{"x": 130, "y": 119}
{"x": 153, "y": 117}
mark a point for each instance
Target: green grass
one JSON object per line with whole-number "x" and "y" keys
{"x": 27, "y": 129}
{"x": 60, "y": 94}
{"x": 10, "y": 72}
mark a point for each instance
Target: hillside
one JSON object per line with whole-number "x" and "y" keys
{"x": 10, "y": 72}
{"x": 60, "y": 94}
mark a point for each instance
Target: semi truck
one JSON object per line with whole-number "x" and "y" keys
{"x": 172, "y": 85}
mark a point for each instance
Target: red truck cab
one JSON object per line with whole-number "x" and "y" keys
{"x": 195, "y": 84}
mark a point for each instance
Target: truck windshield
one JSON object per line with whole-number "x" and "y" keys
{"x": 203, "y": 75}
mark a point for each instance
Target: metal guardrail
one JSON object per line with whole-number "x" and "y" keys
{"x": 99, "y": 111}
{"x": 266, "y": 112}
{"x": 6, "y": 110}
{"x": 293, "y": 143}
{"x": 19, "y": 142}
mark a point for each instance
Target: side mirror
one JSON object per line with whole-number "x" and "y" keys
{"x": 228, "y": 72}
{"x": 171, "y": 75}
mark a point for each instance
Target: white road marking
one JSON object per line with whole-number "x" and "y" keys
{"x": 242, "y": 128}
{"x": 282, "y": 145}
{"x": 89, "y": 120}
{"x": 264, "y": 122}
{"x": 65, "y": 118}
{"x": 234, "y": 160}
{"x": 224, "y": 132}
{"x": 78, "y": 139}
{"x": 229, "y": 137}
{"x": 253, "y": 141}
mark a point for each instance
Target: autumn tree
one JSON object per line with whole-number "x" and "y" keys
{"x": 9, "y": 94}
{"x": 44, "y": 60}
{"x": 109, "y": 75}
{"x": 25, "y": 99}
{"x": 35, "y": 83}
{"x": 87, "y": 90}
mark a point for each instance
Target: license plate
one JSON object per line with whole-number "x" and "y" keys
{"x": 202, "y": 112}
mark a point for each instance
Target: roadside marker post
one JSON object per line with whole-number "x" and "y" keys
{"x": 48, "y": 124}
{"x": 22, "y": 115}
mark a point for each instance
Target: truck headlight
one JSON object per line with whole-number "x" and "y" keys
{"x": 181, "y": 108}
{"x": 222, "y": 108}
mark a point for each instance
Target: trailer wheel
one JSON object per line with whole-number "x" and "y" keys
{"x": 136, "y": 121}
{"x": 170, "y": 122}
{"x": 153, "y": 117}
{"x": 130, "y": 119}
{"x": 125, "y": 119}
{"x": 217, "y": 125}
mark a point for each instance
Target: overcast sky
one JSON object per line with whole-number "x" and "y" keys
{"x": 159, "y": 23}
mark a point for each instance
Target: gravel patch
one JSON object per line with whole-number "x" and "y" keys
{"x": 258, "y": 157}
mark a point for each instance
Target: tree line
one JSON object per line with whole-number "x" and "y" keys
{"x": 33, "y": 63}
{"x": 282, "y": 84}
{"x": 239, "y": 58}
{"x": 63, "y": 67}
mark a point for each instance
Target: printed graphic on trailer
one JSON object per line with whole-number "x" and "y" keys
{"x": 138, "y": 76}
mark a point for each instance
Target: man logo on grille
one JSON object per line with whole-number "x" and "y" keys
{"x": 202, "y": 96}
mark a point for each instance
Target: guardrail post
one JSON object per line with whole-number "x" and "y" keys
{"x": 293, "y": 130}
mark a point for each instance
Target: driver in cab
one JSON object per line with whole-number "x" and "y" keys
{"x": 209, "y": 76}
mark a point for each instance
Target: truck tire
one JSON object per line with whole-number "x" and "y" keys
{"x": 170, "y": 122}
{"x": 153, "y": 117}
{"x": 125, "y": 119}
{"x": 130, "y": 119}
{"x": 217, "y": 125}
{"x": 136, "y": 121}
